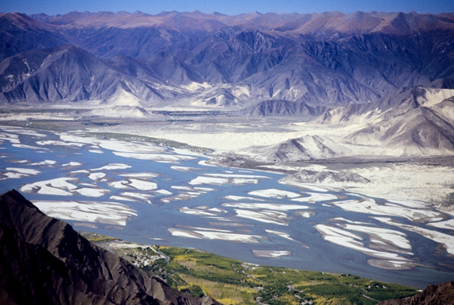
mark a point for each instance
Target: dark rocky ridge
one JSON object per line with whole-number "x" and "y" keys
{"x": 309, "y": 176}
{"x": 442, "y": 294}
{"x": 44, "y": 261}
{"x": 282, "y": 108}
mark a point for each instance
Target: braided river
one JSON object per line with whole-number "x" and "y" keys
{"x": 154, "y": 195}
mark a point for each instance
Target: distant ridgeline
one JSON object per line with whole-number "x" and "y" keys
{"x": 219, "y": 60}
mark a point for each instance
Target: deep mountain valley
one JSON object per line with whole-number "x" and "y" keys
{"x": 359, "y": 103}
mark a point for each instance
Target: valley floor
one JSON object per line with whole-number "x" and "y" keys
{"x": 423, "y": 178}
{"x": 414, "y": 187}
{"x": 248, "y": 142}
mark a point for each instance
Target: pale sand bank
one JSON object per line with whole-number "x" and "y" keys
{"x": 88, "y": 211}
{"x": 271, "y": 253}
{"x": 347, "y": 239}
{"x": 266, "y": 206}
{"x": 446, "y": 240}
{"x": 217, "y": 235}
{"x": 274, "y": 193}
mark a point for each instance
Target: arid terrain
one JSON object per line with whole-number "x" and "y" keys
{"x": 321, "y": 141}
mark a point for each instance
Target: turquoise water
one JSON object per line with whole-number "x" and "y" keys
{"x": 308, "y": 248}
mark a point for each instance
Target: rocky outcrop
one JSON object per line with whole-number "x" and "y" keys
{"x": 308, "y": 147}
{"x": 282, "y": 108}
{"x": 309, "y": 176}
{"x": 44, "y": 261}
{"x": 442, "y": 294}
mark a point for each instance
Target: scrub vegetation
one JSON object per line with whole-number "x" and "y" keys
{"x": 232, "y": 281}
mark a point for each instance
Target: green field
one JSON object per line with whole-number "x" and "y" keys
{"x": 234, "y": 282}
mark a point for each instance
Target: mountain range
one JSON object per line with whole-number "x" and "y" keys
{"x": 393, "y": 72}
{"x": 219, "y": 60}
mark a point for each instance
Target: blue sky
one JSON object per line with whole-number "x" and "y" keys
{"x": 229, "y": 7}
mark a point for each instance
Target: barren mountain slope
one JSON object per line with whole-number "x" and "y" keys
{"x": 328, "y": 58}
{"x": 44, "y": 261}
{"x": 421, "y": 124}
{"x": 68, "y": 74}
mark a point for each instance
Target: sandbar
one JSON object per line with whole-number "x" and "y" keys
{"x": 274, "y": 193}
{"x": 88, "y": 211}
{"x": 271, "y": 253}
{"x": 210, "y": 234}
{"x": 274, "y": 217}
{"x": 266, "y": 206}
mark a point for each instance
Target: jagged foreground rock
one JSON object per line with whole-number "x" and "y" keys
{"x": 44, "y": 261}
{"x": 442, "y": 294}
